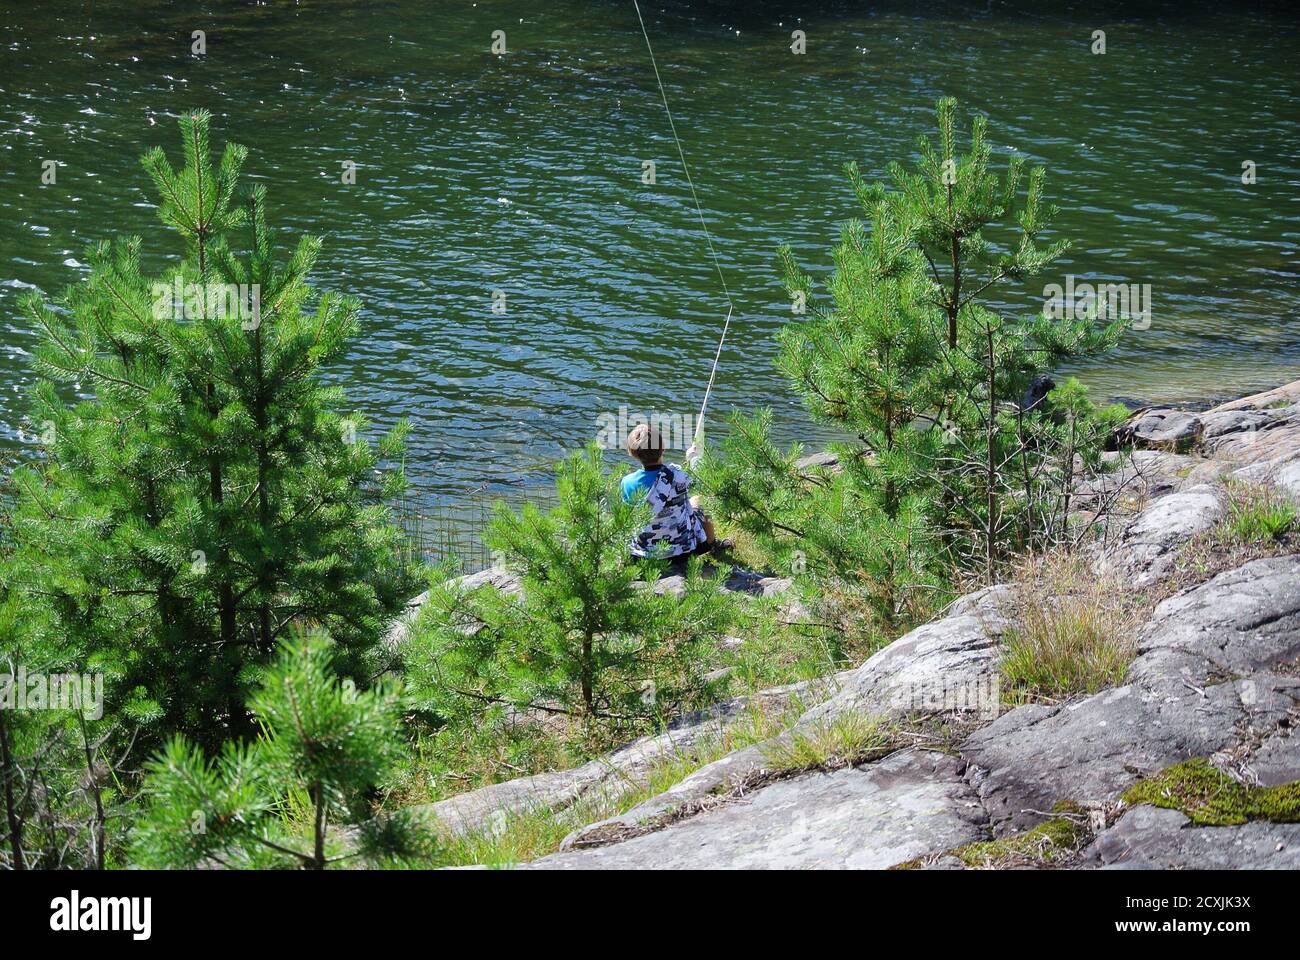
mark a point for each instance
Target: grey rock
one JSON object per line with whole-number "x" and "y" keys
{"x": 1145, "y": 548}
{"x": 818, "y": 461}
{"x": 775, "y": 586}
{"x": 1211, "y": 676}
{"x": 1175, "y": 430}
{"x": 738, "y": 580}
{"x": 1277, "y": 758}
{"x": 1261, "y": 440}
{"x": 1240, "y": 623}
{"x": 1223, "y": 424}
{"x": 946, "y": 665}
{"x": 911, "y": 804}
{"x": 674, "y": 584}
{"x": 1285, "y": 395}
{"x": 501, "y": 579}
{"x": 1150, "y": 838}
{"x": 1207, "y": 471}
{"x": 1091, "y": 751}
{"x": 1137, "y": 474}
{"x": 1276, "y": 443}
{"x": 735, "y": 768}
{"x": 401, "y": 627}
{"x": 1269, "y": 457}
{"x": 1287, "y": 478}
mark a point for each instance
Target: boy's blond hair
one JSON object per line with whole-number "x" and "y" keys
{"x": 645, "y": 444}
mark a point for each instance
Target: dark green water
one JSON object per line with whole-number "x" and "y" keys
{"x": 522, "y": 174}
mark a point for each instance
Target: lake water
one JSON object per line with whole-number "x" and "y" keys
{"x": 522, "y": 174}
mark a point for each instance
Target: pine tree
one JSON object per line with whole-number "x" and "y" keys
{"x": 947, "y": 466}
{"x": 868, "y": 365}
{"x": 589, "y": 638}
{"x": 208, "y": 494}
{"x": 947, "y": 206}
{"x": 324, "y": 748}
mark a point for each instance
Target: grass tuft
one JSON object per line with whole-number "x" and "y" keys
{"x": 847, "y": 739}
{"x": 1257, "y": 522}
{"x": 1256, "y": 514}
{"x": 1073, "y": 631}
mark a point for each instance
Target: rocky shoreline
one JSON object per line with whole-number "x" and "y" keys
{"x": 1216, "y": 677}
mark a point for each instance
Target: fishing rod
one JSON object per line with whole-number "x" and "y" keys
{"x": 708, "y": 238}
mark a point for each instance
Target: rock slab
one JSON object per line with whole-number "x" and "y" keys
{"x": 1150, "y": 838}
{"x": 911, "y": 804}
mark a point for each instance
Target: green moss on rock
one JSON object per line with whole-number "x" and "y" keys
{"x": 1047, "y": 844}
{"x": 1209, "y": 797}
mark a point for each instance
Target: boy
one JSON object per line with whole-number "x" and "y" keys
{"x": 679, "y": 527}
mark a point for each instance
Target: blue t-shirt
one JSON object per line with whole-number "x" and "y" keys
{"x": 636, "y": 484}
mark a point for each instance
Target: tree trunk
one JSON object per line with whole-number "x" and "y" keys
{"x": 54, "y": 858}
{"x": 225, "y": 592}
{"x": 10, "y": 772}
{"x": 588, "y": 697}
{"x": 1029, "y": 537}
{"x": 92, "y": 781}
{"x": 318, "y": 855}
{"x": 954, "y": 305}
{"x": 265, "y": 577}
{"x": 991, "y": 465}
{"x": 1068, "y": 484}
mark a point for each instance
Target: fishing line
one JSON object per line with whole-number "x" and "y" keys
{"x": 708, "y": 238}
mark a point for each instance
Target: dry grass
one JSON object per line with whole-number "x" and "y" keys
{"x": 1074, "y": 632}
